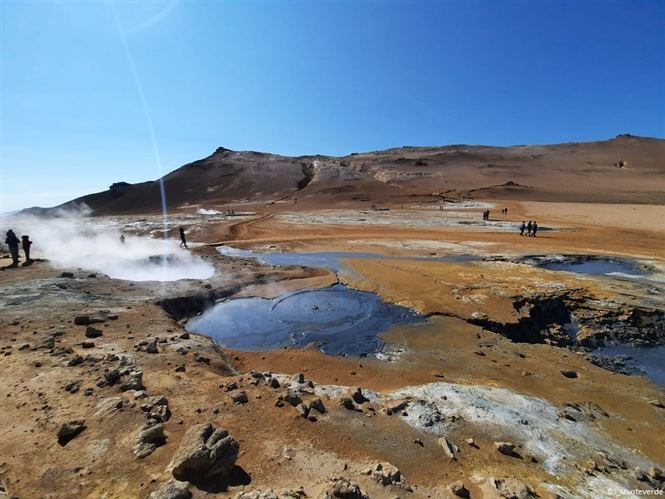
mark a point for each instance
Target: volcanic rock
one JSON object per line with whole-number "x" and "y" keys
{"x": 511, "y": 488}
{"x": 458, "y": 489}
{"x": 204, "y": 454}
{"x": 240, "y": 397}
{"x": 171, "y": 490}
{"x": 69, "y": 431}
{"x": 91, "y": 332}
{"x": 148, "y": 439}
{"x": 343, "y": 488}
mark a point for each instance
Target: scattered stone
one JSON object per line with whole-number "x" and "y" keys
{"x": 569, "y": 374}
{"x": 565, "y": 415}
{"x": 205, "y": 454}
{"x": 656, "y": 473}
{"x": 67, "y": 275}
{"x": 347, "y": 403}
{"x": 395, "y": 406}
{"x": 151, "y": 347}
{"x": 184, "y": 336}
{"x": 274, "y": 383}
{"x": 655, "y": 403}
{"x": 292, "y": 397}
{"x": 343, "y": 488}
{"x": 299, "y": 378}
{"x": 157, "y": 409}
{"x": 317, "y": 404}
{"x": 69, "y": 431}
{"x": 172, "y": 490}
{"x": 449, "y": 448}
{"x": 73, "y": 386}
{"x": 112, "y": 376}
{"x": 88, "y": 344}
{"x": 201, "y": 358}
{"x": 25, "y": 346}
{"x": 511, "y": 488}
{"x": 387, "y": 474}
{"x": 91, "y": 332}
{"x": 358, "y": 396}
{"x": 471, "y": 442}
{"x": 134, "y": 381}
{"x": 240, "y": 397}
{"x": 303, "y": 410}
{"x": 88, "y": 391}
{"x": 180, "y": 369}
{"x": 639, "y": 475}
{"x": 260, "y": 494}
{"x": 505, "y": 448}
{"x": 458, "y": 489}
{"x": 75, "y": 361}
{"x": 148, "y": 439}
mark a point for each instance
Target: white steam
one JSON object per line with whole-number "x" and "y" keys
{"x": 203, "y": 211}
{"x": 92, "y": 244}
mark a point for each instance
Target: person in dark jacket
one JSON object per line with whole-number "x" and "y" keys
{"x": 534, "y": 229}
{"x": 26, "y": 243}
{"x": 522, "y": 228}
{"x": 12, "y": 242}
{"x": 183, "y": 239}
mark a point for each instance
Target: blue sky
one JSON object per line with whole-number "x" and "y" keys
{"x": 98, "y": 92}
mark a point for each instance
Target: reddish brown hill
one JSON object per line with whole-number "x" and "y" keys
{"x": 623, "y": 169}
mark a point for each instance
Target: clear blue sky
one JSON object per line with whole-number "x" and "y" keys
{"x": 84, "y": 83}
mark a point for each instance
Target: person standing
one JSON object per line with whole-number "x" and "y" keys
{"x": 26, "y": 243}
{"x": 183, "y": 239}
{"x": 528, "y": 228}
{"x": 534, "y": 229}
{"x": 522, "y": 228}
{"x": 12, "y": 242}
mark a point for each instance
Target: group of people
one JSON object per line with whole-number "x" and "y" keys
{"x": 531, "y": 228}
{"x": 12, "y": 243}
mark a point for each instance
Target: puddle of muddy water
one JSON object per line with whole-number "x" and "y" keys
{"x": 598, "y": 266}
{"x": 328, "y": 259}
{"x": 649, "y": 360}
{"x": 339, "y": 320}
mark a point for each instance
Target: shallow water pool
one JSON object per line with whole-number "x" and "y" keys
{"x": 650, "y": 360}
{"x": 339, "y": 320}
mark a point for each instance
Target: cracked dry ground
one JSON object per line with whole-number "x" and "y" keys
{"x": 53, "y": 373}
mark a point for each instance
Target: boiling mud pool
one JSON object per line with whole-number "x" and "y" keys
{"x": 597, "y": 266}
{"x": 339, "y": 320}
{"x": 649, "y": 360}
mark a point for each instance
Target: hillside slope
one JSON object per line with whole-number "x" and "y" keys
{"x": 621, "y": 170}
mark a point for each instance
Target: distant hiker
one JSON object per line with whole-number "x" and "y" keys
{"x": 486, "y": 215}
{"x": 122, "y": 239}
{"x": 528, "y": 228}
{"x": 183, "y": 239}
{"x": 522, "y": 227}
{"x": 26, "y": 242}
{"x": 12, "y": 242}
{"x": 534, "y": 229}
{"x": 505, "y": 211}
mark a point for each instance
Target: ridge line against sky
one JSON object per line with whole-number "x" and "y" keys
{"x": 298, "y": 78}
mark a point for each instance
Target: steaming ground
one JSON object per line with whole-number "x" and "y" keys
{"x": 576, "y": 436}
{"x": 95, "y": 245}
